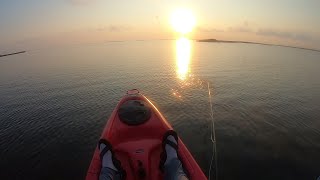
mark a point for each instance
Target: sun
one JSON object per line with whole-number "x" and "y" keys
{"x": 182, "y": 20}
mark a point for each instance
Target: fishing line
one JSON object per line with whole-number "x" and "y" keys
{"x": 214, "y": 156}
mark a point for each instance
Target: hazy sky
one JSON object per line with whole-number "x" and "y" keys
{"x": 37, "y": 23}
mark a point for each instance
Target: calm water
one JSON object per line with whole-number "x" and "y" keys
{"x": 54, "y": 104}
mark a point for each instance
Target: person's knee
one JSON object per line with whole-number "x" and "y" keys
{"x": 183, "y": 177}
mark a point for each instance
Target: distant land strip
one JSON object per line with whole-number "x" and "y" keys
{"x": 19, "y": 52}
{"x": 248, "y": 42}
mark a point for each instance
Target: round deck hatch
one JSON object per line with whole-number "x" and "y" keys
{"x": 134, "y": 112}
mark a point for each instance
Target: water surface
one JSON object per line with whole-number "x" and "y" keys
{"x": 54, "y": 104}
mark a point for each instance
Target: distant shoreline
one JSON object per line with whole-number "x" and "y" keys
{"x": 248, "y": 42}
{"x": 19, "y": 52}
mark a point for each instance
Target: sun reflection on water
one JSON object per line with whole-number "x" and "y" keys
{"x": 187, "y": 81}
{"x": 183, "y": 56}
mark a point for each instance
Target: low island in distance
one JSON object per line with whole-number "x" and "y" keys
{"x": 249, "y": 42}
{"x": 10, "y": 54}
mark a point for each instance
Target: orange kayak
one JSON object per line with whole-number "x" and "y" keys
{"x": 135, "y": 130}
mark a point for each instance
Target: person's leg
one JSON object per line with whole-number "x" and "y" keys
{"x": 108, "y": 174}
{"x": 108, "y": 169}
{"x": 173, "y": 169}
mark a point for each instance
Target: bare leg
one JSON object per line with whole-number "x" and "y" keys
{"x": 108, "y": 169}
{"x": 173, "y": 169}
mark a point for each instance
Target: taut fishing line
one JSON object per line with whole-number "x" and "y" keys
{"x": 214, "y": 156}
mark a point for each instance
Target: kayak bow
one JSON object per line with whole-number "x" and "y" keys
{"x": 135, "y": 130}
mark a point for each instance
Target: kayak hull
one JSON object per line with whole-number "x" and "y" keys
{"x": 139, "y": 146}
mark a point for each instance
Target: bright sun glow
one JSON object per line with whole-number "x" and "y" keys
{"x": 182, "y": 21}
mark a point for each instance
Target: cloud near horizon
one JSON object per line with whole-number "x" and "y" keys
{"x": 285, "y": 34}
{"x": 272, "y": 33}
{"x": 114, "y": 32}
{"x": 80, "y": 2}
{"x": 206, "y": 29}
{"x": 112, "y": 28}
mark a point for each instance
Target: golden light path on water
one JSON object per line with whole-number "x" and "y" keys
{"x": 186, "y": 79}
{"x": 183, "y": 57}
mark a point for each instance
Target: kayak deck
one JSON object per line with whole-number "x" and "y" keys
{"x": 138, "y": 147}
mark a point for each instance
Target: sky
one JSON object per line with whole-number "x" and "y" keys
{"x": 39, "y": 23}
